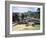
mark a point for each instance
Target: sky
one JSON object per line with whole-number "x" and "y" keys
{"x": 24, "y": 9}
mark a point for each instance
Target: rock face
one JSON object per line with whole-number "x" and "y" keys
{"x": 15, "y": 17}
{"x": 19, "y": 17}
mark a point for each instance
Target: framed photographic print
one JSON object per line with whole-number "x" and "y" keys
{"x": 24, "y": 18}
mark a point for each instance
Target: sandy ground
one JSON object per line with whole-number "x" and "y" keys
{"x": 21, "y": 27}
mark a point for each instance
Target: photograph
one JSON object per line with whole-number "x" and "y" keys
{"x": 25, "y": 18}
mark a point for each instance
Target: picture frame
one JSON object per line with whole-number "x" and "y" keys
{"x": 20, "y": 7}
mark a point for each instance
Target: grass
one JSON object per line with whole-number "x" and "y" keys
{"x": 37, "y": 27}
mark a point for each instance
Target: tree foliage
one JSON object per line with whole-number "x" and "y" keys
{"x": 33, "y": 14}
